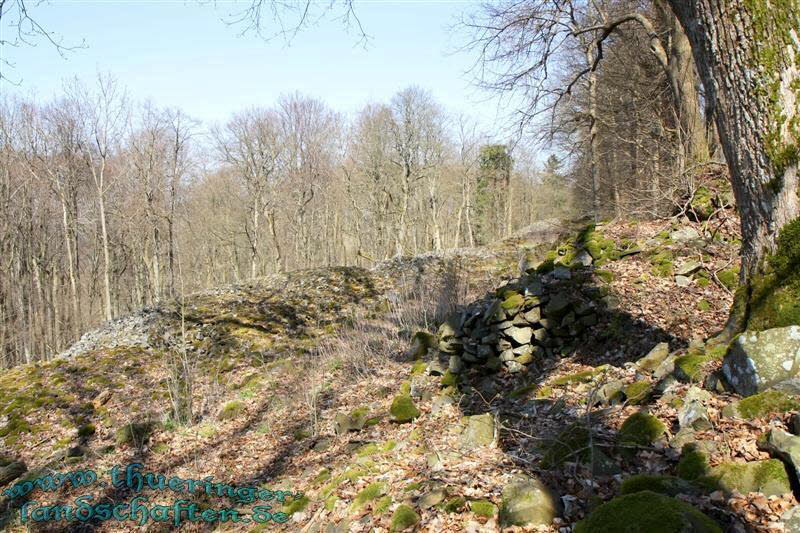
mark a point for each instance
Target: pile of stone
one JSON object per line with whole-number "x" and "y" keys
{"x": 521, "y": 323}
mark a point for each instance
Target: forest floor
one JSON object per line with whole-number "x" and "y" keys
{"x": 270, "y": 364}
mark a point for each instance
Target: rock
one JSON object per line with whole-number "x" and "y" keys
{"x": 693, "y": 413}
{"x": 583, "y": 258}
{"x": 562, "y": 272}
{"x": 526, "y": 502}
{"x": 758, "y": 361}
{"x": 791, "y": 520}
{"x": 533, "y": 316}
{"x": 667, "y": 485}
{"x": 638, "y": 392}
{"x": 520, "y": 335}
{"x": 784, "y": 446}
{"x": 507, "y": 355}
{"x": 682, "y": 281}
{"x": 666, "y": 367}
{"x": 403, "y": 409}
{"x": 684, "y": 234}
{"x": 11, "y": 471}
{"x": 641, "y": 429}
{"x": 434, "y": 497}
{"x": 455, "y": 366}
{"x": 451, "y": 326}
{"x": 558, "y": 305}
{"x": 440, "y": 402}
{"x": 421, "y": 341}
{"x": 794, "y": 423}
{"x": 768, "y": 477}
{"x": 647, "y": 511}
{"x": 514, "y": 367}
{"x": 683, "y": 437}
{"x": 479, "y": 430}
{"x": 403, "y": 518}
{"x": 435, "y": 367}
{"x": 653, "y": 359}
{"x": 688, "y": 268}
{"x": 611, "y": 393}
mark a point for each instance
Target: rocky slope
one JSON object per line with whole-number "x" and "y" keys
{"x": 558, "y": 380}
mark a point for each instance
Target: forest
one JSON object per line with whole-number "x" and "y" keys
{"x": 348, "y": 289}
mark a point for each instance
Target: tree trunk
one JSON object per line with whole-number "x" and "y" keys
{"x": 747, "y": 58}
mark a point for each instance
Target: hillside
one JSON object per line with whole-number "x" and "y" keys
{"x": 473, "y": 390}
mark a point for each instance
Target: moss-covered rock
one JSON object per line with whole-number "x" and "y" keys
{"x": 231, "y": 410}
{"x": 483, "y": 508}
{"x": 641, "y": 429}
{"x": 296, "y": 505}
{"x": 371, "y": 492}
{"x": 729, "y": 278}
{"x": 403, "y": 409}
{"x": 134, "y": 433}
{"x": 403, "y": 518}
{"x": 775, "y": 296}
{"x": 638, "y": 393}
{"x": 654, "y": 358}
{"x": 768, "y": 477}
{"x": 572, "y": 444}
{"x": 449, "y": 379}
{"x": 693, "y": 463}
{"x": 527, "y": 501}
{"x": 646, "y": 511}
{"x": 766, "y": 403}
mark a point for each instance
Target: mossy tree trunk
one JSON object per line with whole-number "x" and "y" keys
{"x": 748, "y": 55}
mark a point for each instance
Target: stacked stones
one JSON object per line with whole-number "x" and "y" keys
{"x": 519, "y": 324}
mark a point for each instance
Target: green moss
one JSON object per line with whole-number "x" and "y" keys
{"x": 544, "y": 392}
{"x": 414, "y": 485}
{"x": 513, "y": 303}
{"x": 606, "y": 275}
{"x": 703, "y": 305}
{"x": 389, "y": 445}
{"x": 330, "y": 502}
{"x": 231, "y": 410}
{"x": 454, "y": 505}
{"x": 134, "y": 433}
{"x": 367, "y": 450}
{"x": 86, "y": 430}
{"x": 646, "y": 511}
{"x": 323, "y": 475}
{"x": 768, "y": 476}
{"x": 371, "y": 492}
{"x": 295, "y": 506}
{"x": 669, "y": 485}
{"x": 449, "y": 379}
{"x": 403, "y": 409}
{"x": 767, "y": 402}
{"x": 382, "y": 505}
{"x": 418, "y": 368}
{"x": 662, "y": 263}
{"x": 729, "y": 278}
{"x": 641, "y": 429}
{"x": 688, "y": 368}
{"x": 775, "y": 295}
{"x": 403, "y": 518}
{"x": 483, "y": 508}
{"x": 693, "y": 463}
{"x": 638, "y": 393}
{"x": 579, "y": 377}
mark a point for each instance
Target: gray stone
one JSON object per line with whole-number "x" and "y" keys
{"x": 434, "y": 497}
{"x": 688, "y": 268}
{"x": 507, "y": 355}
{"x": 558, "y": 305}
{"x": 484, "y": 351}
{"x": 683, "y": 437}
{"x": 666, "y": 367}
{"x": 583, "y": 258}
{"x": 682, "y": 281}
{"x": 520, "y": 335}
{"x": 791, "y": 520}
{"x": 758, "y": 361}
{"x": 435, "y": 367}
{"x": 611, "y": 393}
{"x": 479, "y": 430}
{"x": 525, "y": 349}
{"x": 685, "y": 234}
{"x": 534, "y": 287}
{"x": 794, "y": 423}
{"x": 527, "y": 501}
{"x": 534, "y": 315}
{"x": 440, "y": 402}
{"x": 455, "y": 366}
{"x": 514, "y": 367}
{"x": 562, "y": 272}
{"x": 12, "y": 471}
{"x": 767, "y": 477}
{"x": 694, "y": 415}
{"x": 653, "y": 359}
{"x": 784, "y": 446}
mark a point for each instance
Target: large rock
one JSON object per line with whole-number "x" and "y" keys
{"x": 654, "y": 358}
{"x": 527, "y": 502}
{"x": 758, "y": 361}
{"x": 768, "y": 477}
{"x": 479, "y": 430}
{"x": 11, "y": 471}
{"x": 647, "y": 511}
{"x": 520, "y": 335}
{"x": 784, "y": 446}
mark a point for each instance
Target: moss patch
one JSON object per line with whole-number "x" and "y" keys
{"x": 638, "y": 393}
{"x": 403, "y": 409}
{"x": 647, "y": 511}
{"x": 403, "y": 518}
{"x": 669, "y": 485}
{"x": 371, "y": 492}
{"x": 775, "y": 296}
{"x": 693, "y": 463}
{"x": 231, "y": 410}
{"x": 641, "y": 429}
{"x": 483, "y": 508}
{"x": 767, "y": 402}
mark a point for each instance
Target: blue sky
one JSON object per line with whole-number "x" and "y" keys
{"x": 182, "y": 54}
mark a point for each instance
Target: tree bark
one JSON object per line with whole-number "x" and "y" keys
{"x": 727, "y": 39}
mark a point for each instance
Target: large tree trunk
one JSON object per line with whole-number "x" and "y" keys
{"x": 747, "y": 60}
